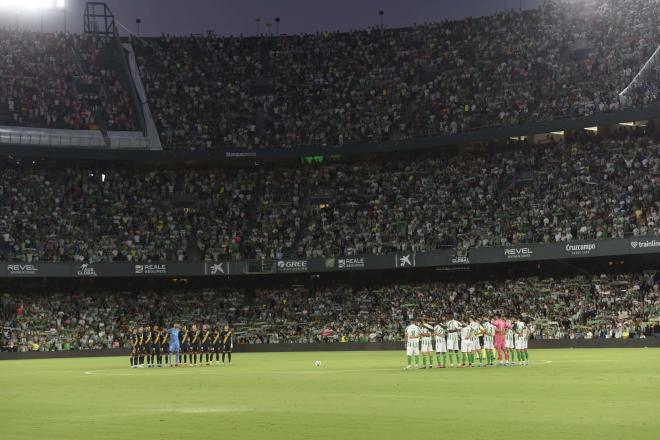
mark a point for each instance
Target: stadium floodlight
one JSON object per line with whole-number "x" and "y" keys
{"x": 32, "y": 5}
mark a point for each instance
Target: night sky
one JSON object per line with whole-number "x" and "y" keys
{"x": 238, "y": 16}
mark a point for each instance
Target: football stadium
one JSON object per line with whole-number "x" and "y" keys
{"x": 329, "y": 220}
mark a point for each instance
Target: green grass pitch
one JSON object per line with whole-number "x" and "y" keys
{"x": 564, "y": 394}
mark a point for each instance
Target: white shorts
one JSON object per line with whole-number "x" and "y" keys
{"x": 519, "y": 343}
{"x": 524, "y": 344}
{"x": 475, "y": 344}
{"x": 427, "y": 345}
{"x": 452, "y": 344}
{"x": 489, "y": 344}
{"x": 440, "y": 345}
{"x": 466, "y": 346}
{"x": 508, "y": 343}
{"x": 412, "y": 348}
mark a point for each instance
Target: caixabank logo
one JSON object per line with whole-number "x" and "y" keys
{"x": 292, "y": 266}
{"x": 404, "y": 260}
{"x": 150, "y": 269}
{"x": 217, "y": 269}
{"x": 22, "y": 269}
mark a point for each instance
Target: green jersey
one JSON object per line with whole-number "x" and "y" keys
{"x": 489, "y": 331}
{"x": 453, "y": 328}
{"x": 427, "y": 330}
{"x": 413, "y": 333}
{"x": 524, "y": 334}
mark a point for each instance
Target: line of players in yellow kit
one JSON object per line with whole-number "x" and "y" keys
{"x": 150, "y": 347}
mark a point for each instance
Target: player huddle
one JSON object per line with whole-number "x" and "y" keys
{"x": 157, "y": 347}
{"x": 469, "y": 341}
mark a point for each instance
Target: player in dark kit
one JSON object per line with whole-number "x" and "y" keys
{"x": 217, "y": 345}
{"x": 148, "y": 349}
{"x": 155, "y": 347}
{"x": 227, "y": 338}
{"x": 164, "y": 346}
{"x": 195, "y": 343}
{"x": 185, "y": 344}
{"x": 206, "y": 344}
{"x": 135, "y": 351}
{"x": 140, "y": 347}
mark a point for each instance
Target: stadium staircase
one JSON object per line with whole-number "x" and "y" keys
{"x": 182, "y": 199}
{"x": 648, "y": 78}
{"x": 140, "y": 96}
{"x": 112, "y": 55}
{"x": 87, "y": 85}
{"x": 306, "y": 207}
{"x": 252, "y": 214}
{"x": 249, "y": 297}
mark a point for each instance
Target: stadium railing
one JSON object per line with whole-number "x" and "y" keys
{"x": 57, "y": 138}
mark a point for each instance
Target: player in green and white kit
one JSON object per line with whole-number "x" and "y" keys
{"x": 413, "y": 333}
{"x": 529, "y": 330}
{"x": 466, "y": 346}
{"x": 489, "y": 344}
{"x": 453, "y": 328}
{"x": 521, "y": 337}
{"x": 477, "y": 332}
{"x": 509, "y": 343}
{"x": 440, "y": 334}
{"x": 427, "y": 343}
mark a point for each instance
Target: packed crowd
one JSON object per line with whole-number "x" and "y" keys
{"x": 56, "y": 214}
{"x": 522, "y": 195}
{"x": 505, "y": 195}
{"x": 562, "y": 59}
{"x": 61, "y": 81}
{"x": 600, "y": 306}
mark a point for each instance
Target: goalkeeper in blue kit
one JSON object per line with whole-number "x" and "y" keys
{"x": 174, "y": 344}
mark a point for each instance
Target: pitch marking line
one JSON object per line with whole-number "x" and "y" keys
{"x": 112, "y": 372}
{"x": 540, "y": 362}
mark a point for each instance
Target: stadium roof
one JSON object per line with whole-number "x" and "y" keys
{"x": 229, "y": 17}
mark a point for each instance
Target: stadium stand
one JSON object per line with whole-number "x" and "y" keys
{"x": 564, "y": 59}
{"x": 65, "y": 81}
{"x": 561, "y": 60}
{"x": 587, "y": 189}
{"x": 599, "y": 306}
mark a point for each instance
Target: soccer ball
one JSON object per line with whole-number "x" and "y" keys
{"x": 317, "y": 363}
